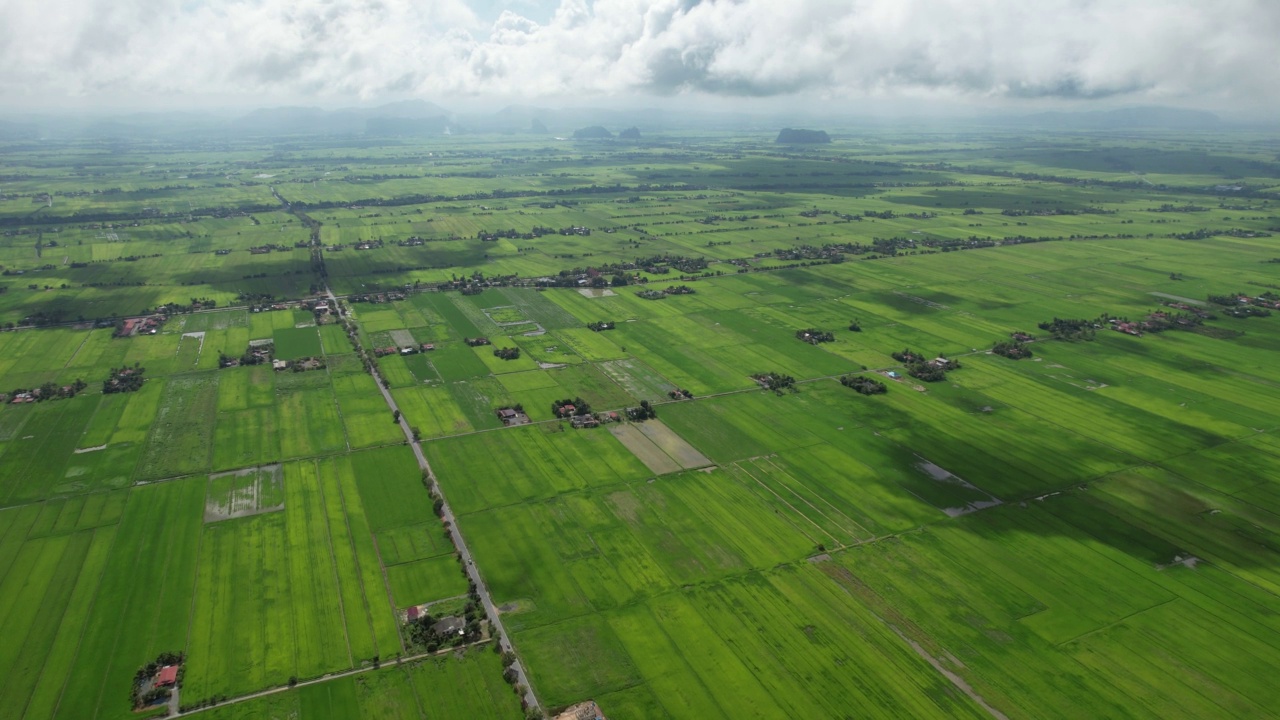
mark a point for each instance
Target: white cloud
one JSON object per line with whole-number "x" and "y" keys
{"x": 1168, "y": 50}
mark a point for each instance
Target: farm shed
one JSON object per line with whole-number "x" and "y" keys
{"x": 167, "y": 677}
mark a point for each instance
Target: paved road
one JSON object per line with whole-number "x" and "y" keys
{"x": 490, "y": 609}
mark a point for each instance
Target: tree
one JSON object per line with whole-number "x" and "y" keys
{"x": 395, "y": 416}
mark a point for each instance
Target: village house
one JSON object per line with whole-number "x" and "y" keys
{"x": 450, "y": 626}
{"x": 166, "y": 677}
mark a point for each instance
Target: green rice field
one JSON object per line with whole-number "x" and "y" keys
{"x": 1088, "y": 531}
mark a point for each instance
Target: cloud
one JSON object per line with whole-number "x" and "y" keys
{"x": 1004, "y": 50}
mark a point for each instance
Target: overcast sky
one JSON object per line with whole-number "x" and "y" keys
{"x": 1216, "y": 54}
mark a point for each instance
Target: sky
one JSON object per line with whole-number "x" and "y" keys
{"x": 964, "y": 54}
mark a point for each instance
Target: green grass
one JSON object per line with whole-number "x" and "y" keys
{"x": 412, "y": 542}
{"x": 309, "y": 422}
{"x": 1078, "y": 534}
{"x": 181, "y": 437}
{"x": 282, "y": 594}
{"x": 464, "y": 685}
{"x": 529, "y": 463}
{"x": 146, "y": 579}
{"x": 293, "y": 343}
{"x": 421, "y": 581}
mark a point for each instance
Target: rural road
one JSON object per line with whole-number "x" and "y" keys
{"x": 446, "y": 514}
{"x": 323, "y": 678}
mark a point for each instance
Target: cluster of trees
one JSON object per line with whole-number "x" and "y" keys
{"x": 814, "y": 336}
{"x": 642, "y": 413}
{"x": 855, "y": 326}
{"x": 1070, "y": 329}
{"x": 511, "y": 353}
{"x": 535, "y": 232}
{"x": 679, "y": 290}
{"x": 253, "y": 355}
{"x": 255, "y": 299}
{"x": 775, "y": 381}
{"x": 1161, "y": 320}
{"x": 1246, "y": 311}
{"x": 512, "y": 678}
{"x": 907, "y": 356}
{"x": 139, "y": 699}
{"x": 1011, "y": 349}
{"x": 713, "y": 219}
{"x": 680, "y": 394}
{"x": 307, "y": 363}
{"x": 1228, "y": 300}
{"x": 422, "y": 630}
{"x": 931, "y": 371}
{"x": 51, "y": 391}
{"x": 1206, "y": 233}
{"x": 176, "y": 308}
{"x": 651, "y": 294}
{"x": 1057, "y": 211}
{"x": 1240, "y": 305}
{"x": 561, "y": 408}
{"x": 926, "y": 370}
{"x": 864, "y": 384}
{"x": 602, "y": 325}
{"x": 623, "y": 273}
{"x": 124, "y": 379}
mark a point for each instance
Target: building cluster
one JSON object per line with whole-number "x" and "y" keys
{"x": 138, "y": 326}
{"x": 405, "y": 350}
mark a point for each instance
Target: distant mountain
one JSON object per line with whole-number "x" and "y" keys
{"x": 281, "y": 120}
{"x": 536, "y": 126}
{"x": 631, "y": 133}
{"x": 408, "y": 117}
{"x": 406, "y": 126}
{"x": 408, "y": 109}
{"x": 595, "y": 132}
{"x": 1125, "y": 118}
{"x": 794, "y": 136}
{"x": 562, "y": 121}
